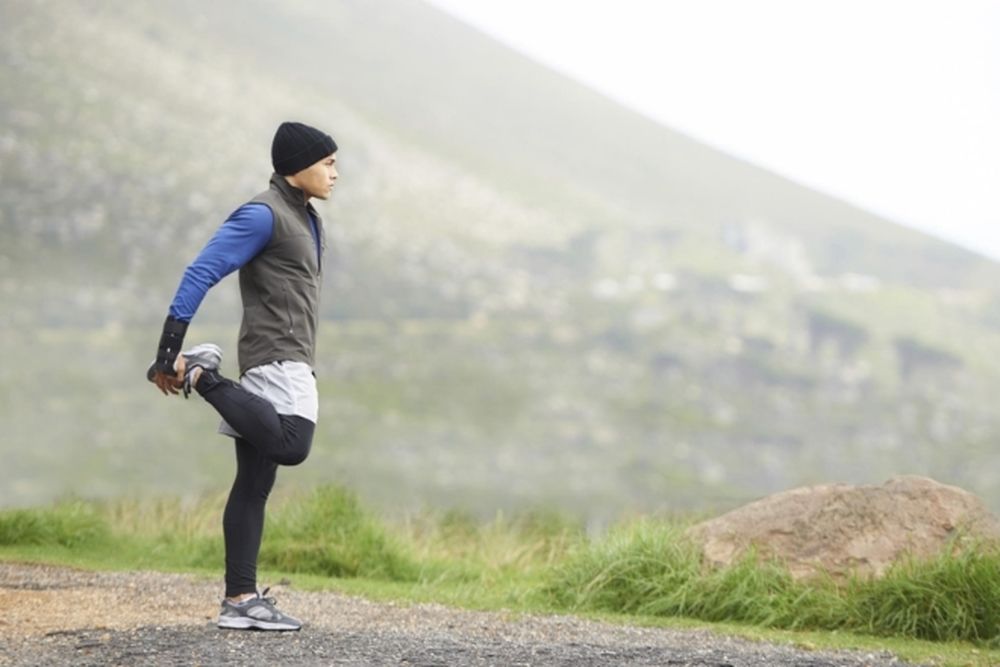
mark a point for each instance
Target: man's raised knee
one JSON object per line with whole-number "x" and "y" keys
{"x": 293, "y": 457}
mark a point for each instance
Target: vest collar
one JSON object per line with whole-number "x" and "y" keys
{"x": 290, "y": 193}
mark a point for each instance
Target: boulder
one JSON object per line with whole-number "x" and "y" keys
{"x": 839, "y": 529}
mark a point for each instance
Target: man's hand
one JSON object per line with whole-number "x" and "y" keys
{"x": 171, "y": 384}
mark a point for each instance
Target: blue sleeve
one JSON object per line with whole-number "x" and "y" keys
{"x": 238, "y": 240}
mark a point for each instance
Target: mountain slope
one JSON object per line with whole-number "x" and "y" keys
{"x": 533, "y": 294}
{"x": 193, "y": 71}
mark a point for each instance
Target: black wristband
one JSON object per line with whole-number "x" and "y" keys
{"x": 170, "y": 345}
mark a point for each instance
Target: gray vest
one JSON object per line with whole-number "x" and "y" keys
{"x": 280, "y": 286}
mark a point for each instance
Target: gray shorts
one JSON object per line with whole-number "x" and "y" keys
{"x": 289, "y": 386}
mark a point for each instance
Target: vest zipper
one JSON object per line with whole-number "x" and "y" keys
{"x": 288, "y": 310}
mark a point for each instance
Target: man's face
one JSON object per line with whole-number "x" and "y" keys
{"x": 317, "y": 179}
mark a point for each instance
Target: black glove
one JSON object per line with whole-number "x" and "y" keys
{"x": 170, "y": 345}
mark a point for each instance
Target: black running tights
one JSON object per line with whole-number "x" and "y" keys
{"x": 268, "y": 440}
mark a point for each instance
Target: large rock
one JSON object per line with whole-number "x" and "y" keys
{"x": 838, "y": 528}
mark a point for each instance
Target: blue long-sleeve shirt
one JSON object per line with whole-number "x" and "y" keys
{"x": 237, "y": 241}
{"x": 240, "y": 238}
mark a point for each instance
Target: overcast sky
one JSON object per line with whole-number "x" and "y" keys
{"x": 893, "y": 105}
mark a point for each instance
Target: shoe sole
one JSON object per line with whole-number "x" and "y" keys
{"x": 206, "y": 355}
{"x": 247, "y": 623}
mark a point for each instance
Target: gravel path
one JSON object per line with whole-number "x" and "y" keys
{"x": 61, "y": 616}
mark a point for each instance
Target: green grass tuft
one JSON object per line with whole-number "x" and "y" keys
{"x": 629, "y": 571}
{"x": 954, "y": 596}
{"x": 327, "y": 532}
{"x": 649, "y": 568}
{"x": 67, "y": 524}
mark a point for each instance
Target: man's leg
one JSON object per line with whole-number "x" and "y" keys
{"x": 243, "y": 527}
{"x": 269, "y": 439}
{"x": 243, "y": 520}
{"x": 283, "y": 439}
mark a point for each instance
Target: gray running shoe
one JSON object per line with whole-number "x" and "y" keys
{"x": 257, "y": 613}
{"x": 207, "y": 356}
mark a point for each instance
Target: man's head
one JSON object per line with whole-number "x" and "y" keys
{"x": 306, "y": 157}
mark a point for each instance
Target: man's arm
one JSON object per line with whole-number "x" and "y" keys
{"x": 240, "y": 238}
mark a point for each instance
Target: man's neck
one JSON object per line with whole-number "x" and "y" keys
{"x": 305, "y": 197}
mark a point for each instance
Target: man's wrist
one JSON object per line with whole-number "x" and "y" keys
{"x": 171, "y": 341}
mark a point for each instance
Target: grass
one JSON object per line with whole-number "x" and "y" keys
{"x": 648, "y": 568}
{"x": 70, "y": 524}
{"x": 643, "y": 571}
{"x": 951, "y": 597}
{"x": 328, "y": 533}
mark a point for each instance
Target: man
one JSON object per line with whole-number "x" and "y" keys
{"x": 276, "y": 241}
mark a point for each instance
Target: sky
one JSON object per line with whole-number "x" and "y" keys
{"x": 892, "y": 105}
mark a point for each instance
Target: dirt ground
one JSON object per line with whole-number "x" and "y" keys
{"x": 62, "y": 616}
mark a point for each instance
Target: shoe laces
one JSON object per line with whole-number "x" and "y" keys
{"x": 263, "y": 596}
{"x": 188, "y": 386}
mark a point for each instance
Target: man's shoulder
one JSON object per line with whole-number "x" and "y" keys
{"x": 267, "y": 198}
{"x": 256, "y": 215}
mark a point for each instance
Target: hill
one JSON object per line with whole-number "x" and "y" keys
{"x": 534, "y": 295}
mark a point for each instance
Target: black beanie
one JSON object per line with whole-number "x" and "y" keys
{"x": 297, "y": 146}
